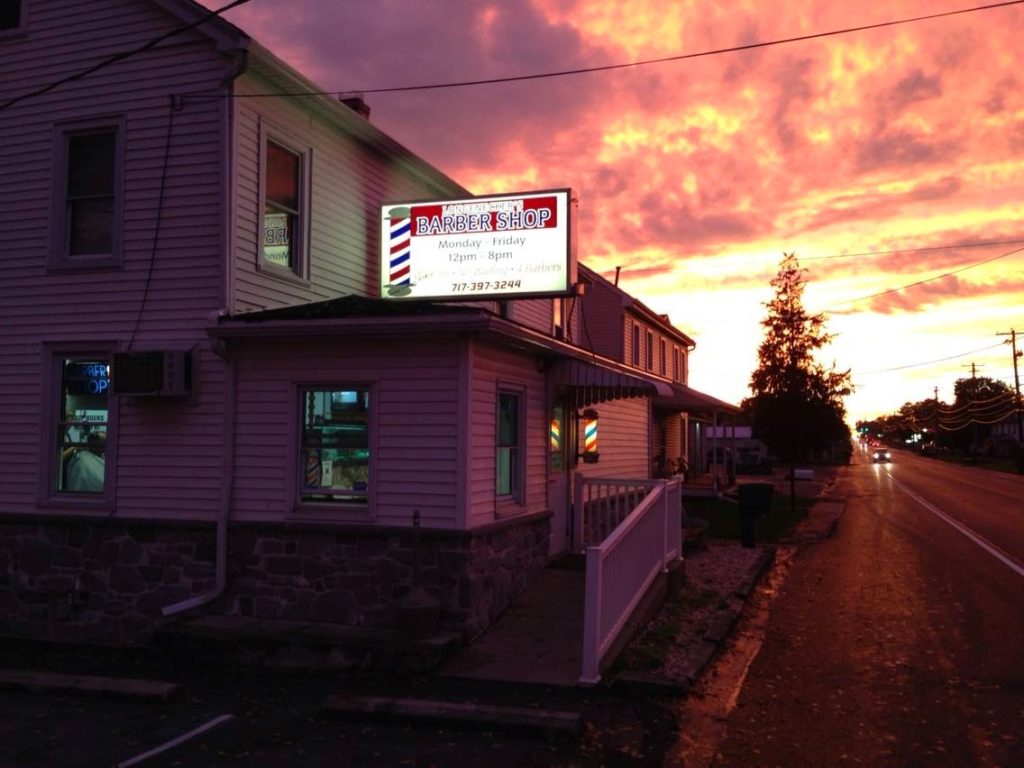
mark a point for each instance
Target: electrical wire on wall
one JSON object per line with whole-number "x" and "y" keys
{"x": 174, "y": 105}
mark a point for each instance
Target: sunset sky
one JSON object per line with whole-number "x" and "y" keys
{"x": 695, "y": 176}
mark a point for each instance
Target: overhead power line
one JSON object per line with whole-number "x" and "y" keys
{"x": 931, "y": 362}
{"x": 929, "y": 279}
{"x": 640, "y": 63}
{"x": 950, "y": 247}
{"x": 103, "y": 63}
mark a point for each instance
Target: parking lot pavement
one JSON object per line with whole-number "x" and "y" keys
{"x": 251, "y": 718}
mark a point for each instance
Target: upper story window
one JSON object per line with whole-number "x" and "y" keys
{"x": 661, "y": 351}
{"x": 87, "y": 194}
{"x": 675, "y": 363}
{"x": 650, "y": 351}
{"x": 285, "y": 216}
{"x": 636, "y": 345}
{"x": 556, "y": 318}
{"x": 12, "y": 15}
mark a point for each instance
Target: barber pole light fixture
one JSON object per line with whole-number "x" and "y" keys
{"x": 590, "y": 454}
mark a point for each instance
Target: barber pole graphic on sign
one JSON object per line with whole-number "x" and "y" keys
{"x": 500, "y": 247}
{"x": 400, "y": 253}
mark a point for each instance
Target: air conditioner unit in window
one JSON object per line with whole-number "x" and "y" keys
{"x": 166, "y": 373}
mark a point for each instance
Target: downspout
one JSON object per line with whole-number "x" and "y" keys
{"x": 220, "y": 348}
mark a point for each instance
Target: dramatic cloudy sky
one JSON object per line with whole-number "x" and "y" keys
{"x": 694, "y": 176}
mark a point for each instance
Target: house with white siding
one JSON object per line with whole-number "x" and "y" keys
{"x": 208, "y": 406}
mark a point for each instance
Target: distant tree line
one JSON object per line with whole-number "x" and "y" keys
{"x": 963, "y": 426}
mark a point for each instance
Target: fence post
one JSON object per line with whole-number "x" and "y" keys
{"x": 577, "y": 513}
{"x": 590, "y": 674}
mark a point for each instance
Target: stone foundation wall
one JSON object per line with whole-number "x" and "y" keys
{"x": 86, "y": 581}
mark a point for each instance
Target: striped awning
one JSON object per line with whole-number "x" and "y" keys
{"x": 685, "y": 398}
{"x": 593, "y": 381}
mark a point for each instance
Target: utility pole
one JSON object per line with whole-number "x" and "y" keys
{"x": 935, "y": 440}
{"x": 1016, "y": 383}
{"x": 974, "y": 422}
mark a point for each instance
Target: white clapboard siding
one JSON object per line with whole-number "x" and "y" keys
{"x": 414, "y": 440}
{"x": 493, "y": 367}
{"x": 170, "y": 454}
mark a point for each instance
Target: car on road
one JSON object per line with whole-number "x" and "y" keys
{"x": 881, "y": 456}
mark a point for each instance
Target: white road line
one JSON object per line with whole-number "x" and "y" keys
{"x": 175, "y": 742}
{"x": 988, "y": 546}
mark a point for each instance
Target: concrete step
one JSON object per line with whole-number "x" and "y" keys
{"x": 33, "y": 680}
{"x": 297, "y": 644}
{"x": 535, "y": 720}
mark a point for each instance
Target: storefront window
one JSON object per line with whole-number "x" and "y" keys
{"x": 335, "y": 452}
{"x": 82, "y": 427}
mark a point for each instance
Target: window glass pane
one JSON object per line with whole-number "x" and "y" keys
{"x": 556, "y": 439}
{"x": 91, "y": 164}
{"x": 91, "y": 226}
{"x": 507, "y": 459}
{"x": 82, "y": 427}
{"x": 10, "y": 14}
{"x": 282, "y": 177}
{"x": 278, "y": 236}
{"x": 508, "y": 419}
{"x": 335, "y": 452}
{"x": 505, "y": 471}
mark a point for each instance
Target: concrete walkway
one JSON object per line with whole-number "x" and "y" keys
{"x": 538, "y": 639}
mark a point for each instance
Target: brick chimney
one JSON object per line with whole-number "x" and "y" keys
{"x": 357, "y": 104}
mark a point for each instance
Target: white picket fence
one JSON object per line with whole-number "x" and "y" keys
{"x": 640, "y": 543}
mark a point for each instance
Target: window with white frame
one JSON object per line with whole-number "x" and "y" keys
{"x": 509, "y": 459}
{"x": 88, "y": 193}
{"x": 285, "y": 220}
{"x": 650, "y": 351}
{"x": 636, "y": 345}
{"x": 675, "y": 363}
{"x": 83, "y": 422}
{"x": 661, "y": 350}
{"x": 335, "y": 452}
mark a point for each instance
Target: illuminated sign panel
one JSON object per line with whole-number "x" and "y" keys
{"x": 494, "y": 247}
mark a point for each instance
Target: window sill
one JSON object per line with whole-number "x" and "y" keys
{"x": 83, "y": 264}
{"x": 508, "y": 506}
{"x": 281, "y": 273}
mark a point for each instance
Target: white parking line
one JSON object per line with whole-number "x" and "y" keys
{"x": 175, "y": 742}
{"x": 988, "y": 546}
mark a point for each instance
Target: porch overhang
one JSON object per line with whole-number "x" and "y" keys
{"x": 684, "y": 398}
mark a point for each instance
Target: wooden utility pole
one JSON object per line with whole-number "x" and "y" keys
{"x": 1016, "y": 383}
{"x": 970, "y": 413}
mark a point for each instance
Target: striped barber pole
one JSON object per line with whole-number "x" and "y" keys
{"x": 399, "y": 264}
{"x": 590, "y": 436}
{"x": 313, "y": 469}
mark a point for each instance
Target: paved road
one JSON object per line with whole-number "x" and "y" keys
{"x": 899, "y": 641}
